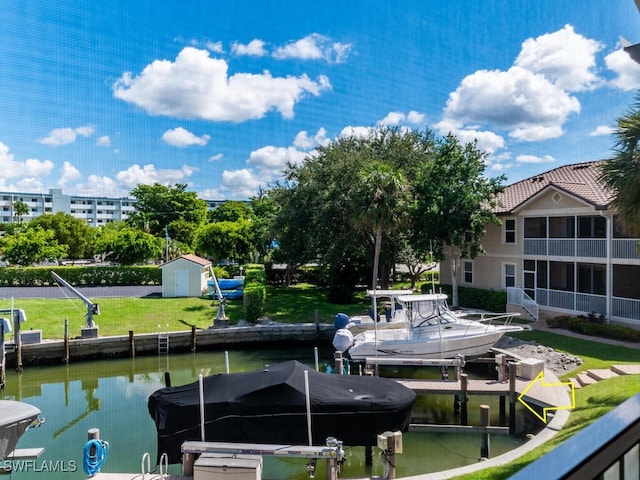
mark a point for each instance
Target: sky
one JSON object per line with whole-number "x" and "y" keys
{"x": 97, "y": 97}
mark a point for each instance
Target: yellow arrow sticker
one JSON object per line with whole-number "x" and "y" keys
{"x": 540, "y": 378}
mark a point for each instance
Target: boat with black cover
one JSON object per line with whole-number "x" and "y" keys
{"x": 269, "y": 406}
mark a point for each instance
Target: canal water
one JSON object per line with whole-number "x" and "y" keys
{"x": 112, "y": 396}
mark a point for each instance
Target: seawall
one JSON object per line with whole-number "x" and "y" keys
{"x": 54, "y": 351}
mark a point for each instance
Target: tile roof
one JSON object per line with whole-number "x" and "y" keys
{"x": 192, "y": 258}
{"x": 579, "y": 180}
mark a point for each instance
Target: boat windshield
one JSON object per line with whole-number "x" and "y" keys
{"x": 429, "y": 313}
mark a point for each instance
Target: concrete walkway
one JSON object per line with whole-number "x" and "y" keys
{"x": 541, "y": 325}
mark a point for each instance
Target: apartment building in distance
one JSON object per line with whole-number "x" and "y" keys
{"x": 96, "y": 211}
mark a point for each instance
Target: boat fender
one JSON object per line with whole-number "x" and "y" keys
{"x": 342, "y": 340}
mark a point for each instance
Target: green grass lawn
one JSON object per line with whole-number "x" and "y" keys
{"x": 296, "y": 304}
{"x": 592, "y": 402}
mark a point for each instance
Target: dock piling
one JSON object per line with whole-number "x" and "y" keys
{"x": 484, "y": 421}
{"x": 132, "y": 345}
{"x": 464, "y": 380}
{"x": 337, "y": 356}
{"x": 512, "y": 397}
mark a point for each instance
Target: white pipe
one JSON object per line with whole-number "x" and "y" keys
{"x": 226, "y": 360}
{"x": 201, "y": 407}
{"x": 308, "y": 402}
{"x": 315, "y": 356}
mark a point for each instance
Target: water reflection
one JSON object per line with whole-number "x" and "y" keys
{"x": 112, "y": 396}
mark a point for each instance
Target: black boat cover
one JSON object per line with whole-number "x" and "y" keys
{"x": 269, "y": 406}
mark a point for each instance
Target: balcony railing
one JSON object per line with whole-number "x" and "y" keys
{"x": 625, "y": 248}
{"x": 566, "y": 247}
{"x": 517, "y": 296}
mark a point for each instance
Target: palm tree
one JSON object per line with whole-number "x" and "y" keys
{"x": 381, "y": 203}
{"x": 622, "y": 173}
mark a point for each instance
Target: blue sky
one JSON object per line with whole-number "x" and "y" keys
{"x": 97, "y": 97}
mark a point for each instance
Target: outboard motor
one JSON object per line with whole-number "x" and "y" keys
{"x": 343, "y": 338}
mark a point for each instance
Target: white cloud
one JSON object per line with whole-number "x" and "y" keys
{"x": 197, "y": 86}
{"x": 255, "y": 48}
{"x": 215, "y": 47}
{"x": 315, "y": 47}
{"x": 104, "y": 141}
{"x": 356, "y": 132}
{"x": 10, "y": 168}
{"x": 565, "y": 58}
{"x": 627, "y": 71}
{"x": 304, "y": 142}
{"x": 179, "y": 137}
{"x": 216, "y": 157}
{"x": 105, "y": 185}
{"x": 526, "y": 104}
{"x": 602, "y": 130}
{"x": 488, "y": 141}
{"x": 273, "y": 159}
{"x": 64, "y": 136}
{"x": 241, "y": 183}
{"x": 400, "y": 118}
{"x": 148, "y": 175}
{"x": 68, "y": 173}
{"x": 535, "y": 159}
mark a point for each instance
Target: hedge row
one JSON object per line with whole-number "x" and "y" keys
{"x": 489, "y": 300}
{"x": 255, "y": 292}
{"x": 89, "y": 276}
{"x": 594, "y": 327}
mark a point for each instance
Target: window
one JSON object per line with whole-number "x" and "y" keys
{"x": 467, "y": 271}
{"x": 561, "y": 276}
{"x": 562, "y": 227}
{"x": 535, "y": 227}
{"x": 592, "y": 278}
{"x": 592, "y": 227}
{"x": 510, "y": 230}
{"x": 509, "y": 275}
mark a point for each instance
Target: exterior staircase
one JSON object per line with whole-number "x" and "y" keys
{"x": 593, "y": 376}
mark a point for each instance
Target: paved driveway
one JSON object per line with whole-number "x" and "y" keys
{"x": 89, "y": 292}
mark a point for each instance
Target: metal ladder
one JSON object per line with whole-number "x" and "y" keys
{"x": 163, "y": 341}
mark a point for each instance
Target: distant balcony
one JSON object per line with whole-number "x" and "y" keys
{"x": 566, "y": 247}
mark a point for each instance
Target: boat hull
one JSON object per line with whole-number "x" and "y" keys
{"x": 15, "y": 418}
{"x": 269, "y": 406}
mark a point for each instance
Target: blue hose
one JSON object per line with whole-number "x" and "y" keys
{"x": 92, "y": 463}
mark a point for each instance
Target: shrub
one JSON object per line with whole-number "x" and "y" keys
{"x": 490, "y": 300}
{"x": 255, "y": 292}
{"x": 92, "y": 275}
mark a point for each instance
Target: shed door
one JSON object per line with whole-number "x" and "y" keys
{"x": 182, "y": 283}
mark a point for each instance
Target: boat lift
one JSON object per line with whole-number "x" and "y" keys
{"x": 221, "y": 318}
{"x": 90, "y": 329}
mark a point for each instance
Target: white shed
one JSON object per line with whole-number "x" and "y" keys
{"x": 186, "y": 276}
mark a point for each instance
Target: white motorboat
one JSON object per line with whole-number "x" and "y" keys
{"x": 432, "y": 331}
{"x": 15, "y": 419}
{"x": 394, "y": 315}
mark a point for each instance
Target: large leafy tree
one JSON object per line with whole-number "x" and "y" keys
{"x": 122, "y": 244}
{"x": 225, "y": 240}
{"x": 454, "y": 202}
{"x": 30, "y": 246}
{"x": 70, "y": 231}
{"x": 161, "y": 207}
{"x": 622, "y": 173}
{"x": 231, "y": 211}
{"x": 316, "y": 205}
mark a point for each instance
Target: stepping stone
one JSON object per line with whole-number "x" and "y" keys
{"x": 601, "y": 374}
{"x": 585, "y": 379}
{"x": 575, "y": 383}
{"x": 626, "y": 369}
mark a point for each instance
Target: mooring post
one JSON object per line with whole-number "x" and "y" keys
{"x": 368, "y": 455}
{"x": 188, "y": 459}
{"x": 132, "y": 345}
{"x": 464, "y": 379}
{"x": 512, "y": 397}
{"x": 93, "y": 434}
{"x": 193, "y": 338}
{"x": 66, "y": 341}
{"x": 317, "y": 319}
{"x": 484, "y": 422}
{"x": 390, "y": 454}
{"x": 337, "y": 356}
{"x": 18, "y": 340}
{"x": 2, "y": 359}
